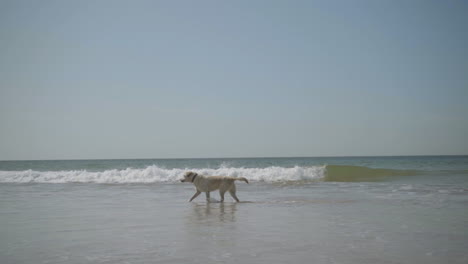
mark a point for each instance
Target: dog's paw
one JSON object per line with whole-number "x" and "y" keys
{"x": 212, "y": 200}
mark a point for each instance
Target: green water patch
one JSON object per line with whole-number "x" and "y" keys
{"x": 343, "y": 173}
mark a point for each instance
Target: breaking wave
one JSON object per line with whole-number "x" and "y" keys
{"x": 155, "y": 174}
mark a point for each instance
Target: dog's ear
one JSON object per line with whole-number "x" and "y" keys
{"x": 190, "y": 174}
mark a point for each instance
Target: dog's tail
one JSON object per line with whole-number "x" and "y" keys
{"x": 242, "y": 179}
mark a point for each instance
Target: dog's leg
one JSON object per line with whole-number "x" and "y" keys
{"x": 232, "y": 192}
{"x": 221, "y": 193}
{"x": 208, "y": 196}
{"x": 195, "y": 195}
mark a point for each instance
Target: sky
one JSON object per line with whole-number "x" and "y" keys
{"x": 198, "y": 79}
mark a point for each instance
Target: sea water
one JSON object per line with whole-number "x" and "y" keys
{"x": 297, "y": 210}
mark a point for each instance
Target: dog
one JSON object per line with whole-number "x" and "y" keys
{"x": 211, "y": 183}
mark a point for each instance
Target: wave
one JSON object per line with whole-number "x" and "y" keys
{"x": 155, "y": 174}
{"x": 344, "y": 173}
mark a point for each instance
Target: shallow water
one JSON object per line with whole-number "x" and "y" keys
{"x": 296, "y": 210}
{"x": 318, "y": 222}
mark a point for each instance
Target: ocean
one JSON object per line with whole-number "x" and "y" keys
{"x": 297, "y": 210}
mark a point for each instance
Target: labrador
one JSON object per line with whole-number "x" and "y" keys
{"x": 211, "y": 183}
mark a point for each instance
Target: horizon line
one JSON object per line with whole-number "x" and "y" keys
{"x": 251, "y": 157}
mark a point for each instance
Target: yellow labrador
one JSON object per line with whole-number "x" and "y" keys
{"x": 210, "y": 183}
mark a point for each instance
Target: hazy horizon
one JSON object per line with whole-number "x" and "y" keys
{"x": 206, "y": 79}
{"x": 276, "y": 157}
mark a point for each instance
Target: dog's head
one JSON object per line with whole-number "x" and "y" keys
{"x": 189, "y": 176}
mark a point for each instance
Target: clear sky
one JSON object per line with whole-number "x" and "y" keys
{"x": 168, "y": 79}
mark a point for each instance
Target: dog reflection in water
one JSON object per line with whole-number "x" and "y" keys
{"x": 214, "y": 212}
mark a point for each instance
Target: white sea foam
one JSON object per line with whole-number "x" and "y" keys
{"x": 154, "y": 174}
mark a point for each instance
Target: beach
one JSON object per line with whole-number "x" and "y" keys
{"x": 64, "y": 213}
{"x": 348, "y": 120}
